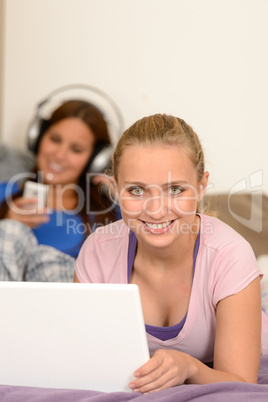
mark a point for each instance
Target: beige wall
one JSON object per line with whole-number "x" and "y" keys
{"x": 1, "y": 60}
{"x": 205, "y": 61}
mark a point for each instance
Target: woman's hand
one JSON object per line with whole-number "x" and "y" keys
{"x": 25, "y": 211}
{"x": 165, "y": 369}
{"x": 236, "y": 354}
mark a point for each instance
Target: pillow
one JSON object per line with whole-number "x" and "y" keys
{"x": 14, "y": 161}
{"x": 245, "y": 213}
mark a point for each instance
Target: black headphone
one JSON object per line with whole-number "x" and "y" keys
{"x": 101, "y": 157}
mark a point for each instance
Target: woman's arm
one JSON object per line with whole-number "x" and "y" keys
{"x": 24, "y": 210}
{"x": 236, "y": 353}
{"x": 238, "y": 333}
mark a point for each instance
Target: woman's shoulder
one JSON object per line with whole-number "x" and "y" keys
{"x": 7, "y": 189}
{"x": 111, "y": 232}
{"x": 3, "y": 186}
{"x": 12, "y": 186}
{"x": 217, "y": 234}
{"x": 103, "y": 255}
{"x": 228, "y": 262}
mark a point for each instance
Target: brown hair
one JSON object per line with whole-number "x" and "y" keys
{"x": 164, "y": 130}
{"x": 84, "y": 111}
{"x": 93, "y": 118}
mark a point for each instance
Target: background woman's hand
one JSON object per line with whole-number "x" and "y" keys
{"x": 25, "y": 211}
{"x": 165, "y": 369}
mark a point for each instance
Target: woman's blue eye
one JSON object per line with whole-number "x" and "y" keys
{"x": 136, "y": 191}
{"x": 175, "y": 190}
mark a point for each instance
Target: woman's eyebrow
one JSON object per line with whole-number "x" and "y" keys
{"x": 170, "y": 183}
{"x": 176, "y": 182}
{"x": 136, "y": 183}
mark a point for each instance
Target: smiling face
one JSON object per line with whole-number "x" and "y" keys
{"x": 64, "y": 151}
{"x": 158, "y": 192}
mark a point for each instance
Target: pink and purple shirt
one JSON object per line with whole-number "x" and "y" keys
{"x": 224, "y": 265}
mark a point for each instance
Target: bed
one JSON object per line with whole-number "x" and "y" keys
{"x": 229, "y": 210}
{"x": 232, "y": 391}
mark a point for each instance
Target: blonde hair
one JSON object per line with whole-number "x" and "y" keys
{"x": 164, "y": 130}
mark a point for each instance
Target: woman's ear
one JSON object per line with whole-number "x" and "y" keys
{"x": 203, "y": 185}
{"x": 113, "y": 189}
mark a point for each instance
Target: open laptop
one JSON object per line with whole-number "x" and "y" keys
{"x": 71, "y": 335}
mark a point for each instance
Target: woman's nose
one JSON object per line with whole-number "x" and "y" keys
{"x": 155, "y": 206}
{"x": 61, "y": 152}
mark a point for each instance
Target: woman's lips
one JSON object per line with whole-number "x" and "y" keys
{"x": 55, "y": 167}
{"x": 158, "y": 228}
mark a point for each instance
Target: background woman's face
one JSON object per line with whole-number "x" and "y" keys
{"x": 64, "y": 151}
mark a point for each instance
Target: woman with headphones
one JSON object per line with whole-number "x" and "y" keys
{"x": 66, "y": 148}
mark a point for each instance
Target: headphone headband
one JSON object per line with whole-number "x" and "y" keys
{"x": 88, "y": 93}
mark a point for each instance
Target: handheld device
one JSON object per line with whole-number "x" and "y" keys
{"x": 36, "y": 190}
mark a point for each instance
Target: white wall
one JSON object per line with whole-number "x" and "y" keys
{"x": 1, "y": 57}
{"x": 203, "y": 60}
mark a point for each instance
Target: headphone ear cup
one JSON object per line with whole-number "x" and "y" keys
{"x": 35, "y": 133}
{"x": 101, "y": 158}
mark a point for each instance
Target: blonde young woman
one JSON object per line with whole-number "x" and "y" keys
{"x": 198, "y": 278}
